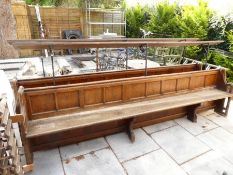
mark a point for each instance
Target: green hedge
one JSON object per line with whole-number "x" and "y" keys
{"x": 171, "y": 20}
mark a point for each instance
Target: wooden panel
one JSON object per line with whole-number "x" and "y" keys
{"x": 210, "y": 80}
{"x": 183, "y": 84}
{"x": 42, "y": 103}
{"x": 113, "y": 93}
{"x": 169, "y": 86}
{"x": 197, "y": 82}
{"x": 97, "y": 93}
{"x": 153, "y": 88}
{"x": 135, "y": 90}
{"x": 67, "y": 99}
{"x": 93, "y": 96}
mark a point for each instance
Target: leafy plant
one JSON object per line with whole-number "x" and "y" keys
{"x": 136, "y": 18}
{"x": 195, "y": 20}
{"x": 220, "y": 59}
{"x": 230, "y": 39}
{"x": 165, "y": 19}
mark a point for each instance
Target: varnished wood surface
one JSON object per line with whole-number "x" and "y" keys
{"x": 105, "y": 75}
{"x": 43, "y": 102}
{"x": 76, "y": 112}
{"x": 120, "y": 112}
{"x": 107, "y": 39}
{"x": 101, "y": 130}
{"x": 64, "y": 44}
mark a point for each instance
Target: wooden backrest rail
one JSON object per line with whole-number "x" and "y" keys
{"x": 71, "y": 79}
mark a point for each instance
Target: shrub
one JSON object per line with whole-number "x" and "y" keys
{"x": 165, "y": 19}
{"x": 136, "y": 18}
{"x": 230, "y": 40}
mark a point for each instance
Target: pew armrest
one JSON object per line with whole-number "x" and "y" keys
{"x": 17, "y": 118}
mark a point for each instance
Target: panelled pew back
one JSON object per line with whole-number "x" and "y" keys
{"x": 98, "y": 76}
{"x": 64, "y": 100}
{"x": 45, "y": 101}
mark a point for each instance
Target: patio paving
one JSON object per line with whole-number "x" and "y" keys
{"x": 179, "y": 144}
{"x": 175, "y": 147}
{"x": 126, "y": 150}
{"x": 102, "y": 162}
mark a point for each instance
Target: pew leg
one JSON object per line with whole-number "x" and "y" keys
{"x": 130, "y": 130}
{"x": 220, "y": 108}
{"x": 28, "y": 152}
{"x": 27, "y": 146}
{"x": 192, "y": 112}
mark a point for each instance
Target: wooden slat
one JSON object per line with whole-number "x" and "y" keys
{"x": 112, "y": 39}
{"x": 9, "y": 155}
{"x": 101, "y": 115}
{"x": 8, "y": 128}
{"x": 4, "y": 112}
{"x": 64, "y": 44}
{"x": 12, "y": 140}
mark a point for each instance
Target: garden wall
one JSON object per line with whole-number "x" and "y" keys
{"x": 55, "y": 20}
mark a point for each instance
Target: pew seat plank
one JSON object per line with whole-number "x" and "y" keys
{"x": 128, "y": 110}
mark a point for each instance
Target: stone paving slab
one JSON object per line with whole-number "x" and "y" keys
{"x": 201, "y": 126}
{"x": 205, "y": 113}
{"x": 211, "y": 163}
{"x": 219, "y": 140}
{"x": 224, "y": 122}
{"x": 160, "y": 126}
{"x": 126, "y": 150}
{"x": 47, "y": 163}
{"x": 82, "y": 148}
{"x": 154, "y": 163}
{"x": 179, "y": 144}
{"x": 102, "y": 162}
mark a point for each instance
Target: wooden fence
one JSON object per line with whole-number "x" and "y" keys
{"x": 55, "y": 20}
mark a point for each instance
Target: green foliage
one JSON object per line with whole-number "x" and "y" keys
{"x": 135, "y": 19}
{"x": 195, "y": 20}
{"x": 217, "y": 58}
{"x": 230, "y": 39}
{"x": 227, "y": 26}
{"x": 216, "y": 28}
{"x": 165, "y": 19}
{"x": 194, "y": 23}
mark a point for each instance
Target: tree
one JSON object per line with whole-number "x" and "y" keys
{"x": 230, "y": 39}
{"x": 136, "y": 18}
{"x": 195, "y": 20}
{"x": 165, "y": 19}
